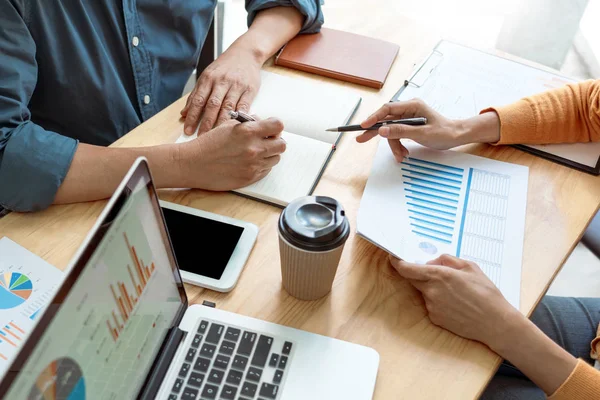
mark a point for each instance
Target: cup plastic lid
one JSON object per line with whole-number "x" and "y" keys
{"x": 316, "y": 223}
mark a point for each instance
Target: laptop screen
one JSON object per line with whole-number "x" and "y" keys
{"x": 109, "y": 327}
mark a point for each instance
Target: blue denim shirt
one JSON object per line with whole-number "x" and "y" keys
{"x": 91, "y": 71}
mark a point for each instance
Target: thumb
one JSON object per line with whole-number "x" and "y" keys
{"x": 447, "y": 260}
{"x": 411, "y": 271}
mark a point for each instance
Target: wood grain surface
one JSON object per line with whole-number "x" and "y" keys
{"x": 369, "y": 303}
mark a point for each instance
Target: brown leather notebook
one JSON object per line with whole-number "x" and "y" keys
{"x": 340, "y": 55}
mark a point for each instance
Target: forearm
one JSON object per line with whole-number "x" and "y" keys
{"x": 260, "y": 40}
{"x": 570, "y": 114}
{"x": 96, "y": 171}
{"x": 484, "y": 128}
{"x": 535, "y": 354}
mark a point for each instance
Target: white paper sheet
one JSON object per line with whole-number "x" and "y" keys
{"x": 26, "y": 286}
{"x": 459, "y": 82}
{"x": 448, "y": 203}
{"x": 295, "y": 174}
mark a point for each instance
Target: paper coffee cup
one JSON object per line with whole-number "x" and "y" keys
{"x": 312, "y": 233}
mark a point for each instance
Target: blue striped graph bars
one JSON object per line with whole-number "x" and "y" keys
{"x": 432, "y": 192}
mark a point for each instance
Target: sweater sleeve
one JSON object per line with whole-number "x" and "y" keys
{"x": 569, "y": 114}
{"x": 582, "y": 384}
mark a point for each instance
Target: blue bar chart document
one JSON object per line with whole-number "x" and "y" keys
{"x": 436, "y": 203}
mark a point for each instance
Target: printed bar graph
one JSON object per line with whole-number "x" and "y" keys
{"x": 11, "y": 334}
{"x": 125, "y": 303}
{"x": 484, "y": 223}
{"x": 12, "y": 324}
{"x": 432, "y": 192}
{"x": 476, "y": 224}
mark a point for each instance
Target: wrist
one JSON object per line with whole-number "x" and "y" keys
{"x": 512, "y": 327}
{"x": 167, "y": 163}
{"x": 250, "y": 49}
{"x": 483, "y": 128}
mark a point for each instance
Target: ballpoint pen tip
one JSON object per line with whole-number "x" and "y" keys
{"x": 331, "y": 130}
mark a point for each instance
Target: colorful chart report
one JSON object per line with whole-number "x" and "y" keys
{"x": 15, "y": 289}
{"x": 26, "y": 286}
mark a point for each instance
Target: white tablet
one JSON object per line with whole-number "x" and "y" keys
{"x": 211, "y": 249}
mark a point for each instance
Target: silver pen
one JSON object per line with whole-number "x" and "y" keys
{"x": 243, "y": 117}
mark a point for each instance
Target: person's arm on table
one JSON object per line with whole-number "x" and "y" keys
{"x": 232, "y": 81}
{"x": 228, "y": 157}
{"x": 565, "y": 115}
{"x": 39, "y": 167}
{"x": 460, "y": 298}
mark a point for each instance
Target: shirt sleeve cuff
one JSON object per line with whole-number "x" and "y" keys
{"x": 517, "y": 123}
{"x": 33, "y": 165}
{"x": 582, "y": 384}
{"x": 311, "y": 9}
{"x": 595, "y": 351}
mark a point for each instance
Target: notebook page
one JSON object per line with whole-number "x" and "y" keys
{"x": 459, "y": 82}
{"x": 306, "y": 107}
{"x": 295, "y": 174}
{"x": 449, "y": 202}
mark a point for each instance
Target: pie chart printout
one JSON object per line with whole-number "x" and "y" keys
{"x": 62, "y": 379}
{"x": 15, "y": 289}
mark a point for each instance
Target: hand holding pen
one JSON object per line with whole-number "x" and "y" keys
{"x": 243, "y": 117}
{"x": 438, "y": 133}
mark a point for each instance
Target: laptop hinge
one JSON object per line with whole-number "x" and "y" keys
{"x": 162, "y": 363}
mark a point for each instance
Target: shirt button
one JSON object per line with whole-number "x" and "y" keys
{"x": 135, "y": 41}
{"x": 146, "y": 99}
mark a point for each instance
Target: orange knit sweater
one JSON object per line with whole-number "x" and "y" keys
{"x": 566, "y": 115}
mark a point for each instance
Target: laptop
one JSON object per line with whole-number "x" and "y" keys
{"x": 120, "y": 327}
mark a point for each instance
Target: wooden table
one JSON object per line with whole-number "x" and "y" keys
{"x": 369, "y": 303}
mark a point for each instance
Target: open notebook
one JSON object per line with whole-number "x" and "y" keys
{"x": 307, "y": 109}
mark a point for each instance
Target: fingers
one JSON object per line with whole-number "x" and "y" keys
{"x": 447, "y": 260}
{"x": 229, "y": 104}
{"x": 378, "y": 115}
{"x": 413, "y": 272}
{"x": 366, "y": 136}
{"x": 185, "y": 109}
{"x": 271, "y": 127}
{"x": 261, "y": 175}
{"x": 401, "y": 109}
{"x": 195, "y": 107}
{"x": 271, "y": 162}
{"x": 399, "y": 151}
{"x": 399, "y": 131}
{"x": 274, "y": 147}
{"x": 245, "y": 101}
{"x": 213, "y": 107}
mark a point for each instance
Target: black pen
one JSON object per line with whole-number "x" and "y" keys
{"x": 406, "y": 121}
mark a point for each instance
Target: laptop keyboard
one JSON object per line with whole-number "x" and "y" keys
{"x": 225, "y": 362}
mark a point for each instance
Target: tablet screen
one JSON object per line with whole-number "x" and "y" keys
{"x": 202, "y": 246}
